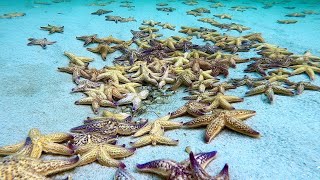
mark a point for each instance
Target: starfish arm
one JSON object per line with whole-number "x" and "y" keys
{"x": 224, "y": 173}
{"x": 199, "y": 121}
{"x": 214, "y": 128}
{"x": 11, "y": 149}
{"x": 179, "y": 112}
{"x": 118, "y": 151}
{"x": 282, "y": 90}
{"x": 233, "y": 99}
{"x": 105, "y": 159}
{"x": 59, "y": 137}
{"x": 106, "y": 103}
{"x": 54, "y": 166}
{"x": 197, "y": 171}
{"x": 214, "y": 104}
{"x": 84, "y": 101}
{"x": 242, "y": 114}
{"x": 176, "y": 85}
{"x": 225, "y": 104}
{"x": 270, "y": 94}
{"x": 122, "y": 78}
{"x": 136, "y": 103}
{"x": 239, "y": 126}
{"x": 298, "y": 70}
{"x": 195, "y": 111}
{"x": 129, "y": 128}
{"x": 162, "y": 167}
{"x": 256, "y": 90}
{"x": 122, "y": 174}
{"x": 170, "y": 124}
{"x": 143, "y": 141}
{"x": 60, "y": 149}
{"x": 88, "y": 157}
{"x": 36, "y": 151}
{"x": 143, "y": 130}
{"x": 166, "y": 141}
{"x": 310, "y": 73}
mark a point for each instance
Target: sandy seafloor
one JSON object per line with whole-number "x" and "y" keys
{"x": 35, "y": 95}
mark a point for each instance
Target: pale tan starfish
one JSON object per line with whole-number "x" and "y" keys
{"x": 305, "y": 68}
{"x": 115, "y": 76}
{"x": 223, "y": 101}
{"x": 192, "y": 108}
{"x": 102, "y": 49}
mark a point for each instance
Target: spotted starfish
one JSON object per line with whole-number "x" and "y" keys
{"x": 185, "y": 77}
{"x": 41, "y": 143}
{"x": 102, "y": 49}
{"x": 134, "y": 98}
{"x": 144, "y": 74}
{"x": 53, "y": 29}
{"x": 192, "y": 108}
{"x": 82, "y": 139}
{"x": 105, "y": 154}
{"x": 162, "y": 122}
{"x": 89, "y": 39}
{"x": 84, "y": 85}
{"x": 233, "y": 119}
{"x": 171, "y": 169}
{"x": 77, "y": 60}
{"x": 31, "y": 168}
{"x": 41, "y": 42}
{"x": 269, "y": 89}
{"x": 76, "y": 71}
{"x": 223, "y": 101}
{"x": 109, "y": 127}
{"x": 305, "y": 68}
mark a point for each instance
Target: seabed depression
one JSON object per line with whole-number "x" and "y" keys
{"x": 171, "y": 89}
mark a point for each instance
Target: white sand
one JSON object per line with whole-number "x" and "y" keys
{"x": 34, "y": 95}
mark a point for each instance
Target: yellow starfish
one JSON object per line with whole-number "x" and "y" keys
{"x": 170, "y": 43}
{"x": 31, "y": 168}
{"x": 129, "y": 86}
{"x": 177, "y": 61}
{"x": 167, "y": 26}
{"x": 162, "y": 122}
{"x": 310, "y": 70}
{"x": 77, "y": 60}
{"x": 224, "y": 118}
{"x": 102, "y": 49}
{"x": 223, "y": 16}
{"x": 150, "y": 23}
{"x": 111, "y": 115}
{"x": 193, "y": 108}
{"x": 115, "y": 76}
{"x": 154, "y": 137}
{"x": 306, "y": 57}
{"x": 144, "y": 74}
{"x": 185, "y": 77}
{"x": 105, "y": 154}
{"x": 221, "y": 100}
{"x": 41, "y": 143}
{"x": 142, "y": 44}
{"x": 110, "y": 39}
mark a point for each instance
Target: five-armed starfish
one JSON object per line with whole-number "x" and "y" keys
{"x": 193, "y": 108}
{"x": 41, "y": 42}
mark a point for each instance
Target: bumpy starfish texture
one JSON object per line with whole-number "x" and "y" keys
{"x": 102, "y": 49}
{"x": 84, "y": 85}
{"x": 109, "y": 127}
{"x": 192, "y": 108}
{"x": 77, "y": 60}
{"x": 115, "y": 76}
{"x": 31, "y": 168}
{"x": 105, "y": 154}
{"x": 134, "y": 98}
{"x": 41, "y": 143}
{"x": 269, "y": 89}
{"x": 81, "y": 139}
{"x": 185, "y": 77}
{"x": 233, "y": 119}
{"x": 308, "y": 69}
{"x": 41, "y": 42}
{"x": 123, "y": 174}
{"x": 223, "y": 101}
{"x": 162, "y": 122}
{"x": 53, "y": 29}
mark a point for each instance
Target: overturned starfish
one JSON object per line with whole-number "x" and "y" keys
{"x": 134, "y": 98}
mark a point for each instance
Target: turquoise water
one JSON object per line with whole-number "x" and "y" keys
{"x": 35, "y": 95}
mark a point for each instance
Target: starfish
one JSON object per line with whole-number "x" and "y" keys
{"x": 287, "y": 21}
{"x": 305, "y": 68}
{"x": 150, "y": 23}
{"x": 306, "y": 57}
{"x": 231, "y": 119}
{"x": 185, "y": 77}
{"x": 77, "y": 60}
{"x": 115, "y": 76}
{"x": 96, "y": 100}
{"x": 162, "y": 123}
{"x": 296, "y": 15}
{"x": 100, "y": 12}
{"x": 84, "y": 85}
{"x": 199, "y": 173}
{"x": 177, "y": 61}
{"x": 246, "y": 80}
{"x": 105, "y": 154}
{"x": 192, "y": 108}
{"x": 53, "y": 29}
{"x": 201, "y": 10}
{"x": 164, "y": 79}
{"x": 301, "y": 86}
{"x": 269, "y": 89}
{"x": 238, "y": 27}
{"x": 82, "y": 139}
{"x": 171, "y": 169}
{"x": 217, "y": 5}
{"x": 134, "y": 98}
{"x": 196, "y": 54}
{"x": 223, "y": 101}
{"x": 109, "y": 127}
{"x": 142, "y": 44}
{"x": 223, "y": 16}
{"x": 196, "y": 64}
{"x": 148, "y": 29}
{"x": 167, "y": 26}
{"x": 102, "y": 49}
{"x": 203, "y": 84}
{"x": 110, "y": 39}
{"x": 111, "y": 115}
{"x": 144, "y": 74}
{"x": 139, "y": 34}
{"x": 89, "y": 39}
{"x": 193, "y": 13}
{"x": 31, "y": 168}
{"x": 116, "y": 19}
{"x": 110, "y": 91}
{"x": 41, "y": 143}
{"x": 219, "y": 68}
{"x": 129, "y": 86}
{"x": 154, "y": 137}
{"x": 41, "y": 42}
{"x": 257, "y": 67}
{"x": 76, "y": 71}
{"x": 123, "y": 174}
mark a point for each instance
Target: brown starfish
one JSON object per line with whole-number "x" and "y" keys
{"x": 102, "y": 49}
{"x": 41, "y": 42}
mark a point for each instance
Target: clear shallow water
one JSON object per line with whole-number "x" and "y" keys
{"x": 34, "y": 94}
